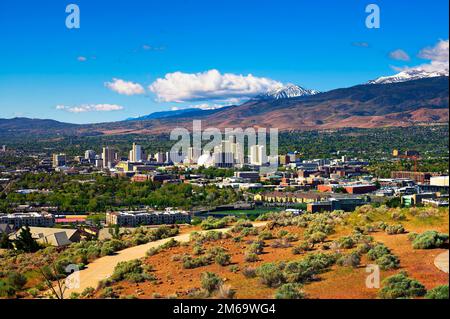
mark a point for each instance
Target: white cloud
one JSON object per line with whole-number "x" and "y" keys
{"x": 438, "y": 55}
{"x": 125, "y": 87}
{"x": 209, "y": 85}
{"x": 90, "y": 108}
{"x": 82, "y": 59}
{"x": 399, "y": 55}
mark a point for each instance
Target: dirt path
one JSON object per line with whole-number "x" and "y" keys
{"x": 103, "y": 267}
{"x": 441, "y": 262}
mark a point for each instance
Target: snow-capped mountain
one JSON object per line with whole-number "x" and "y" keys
{"x": 408, "y": 75}
{"x": 285, "y": 92}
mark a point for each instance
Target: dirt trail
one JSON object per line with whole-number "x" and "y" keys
{"x": 103, "y": 267}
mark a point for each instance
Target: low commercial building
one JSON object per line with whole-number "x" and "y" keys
{"x": 290, "y": 197}
{"x": 138, "y": 218}
{"x": 345, "y": 204}
{"x": 417, "y": 199}
{"x": 19, "y": 220}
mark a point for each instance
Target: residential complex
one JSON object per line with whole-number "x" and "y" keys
{"x": 139, "y": 218}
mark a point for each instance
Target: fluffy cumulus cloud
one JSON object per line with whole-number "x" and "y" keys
{"x": 399, "y": 55}
{"x": 125, "y": 87}
{"x": 90, "y": 108}
{"x": 209, "y": 85}
{"x": 438, "y": 56}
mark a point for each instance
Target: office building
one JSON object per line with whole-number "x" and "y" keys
{"x": 136, "y": 153}
{"x": 109, "y": 157}
{"x": 59, "y": 160}
{"x": 258, "y": 155}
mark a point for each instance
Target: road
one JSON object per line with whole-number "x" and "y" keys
{"x": 103, "y": 267}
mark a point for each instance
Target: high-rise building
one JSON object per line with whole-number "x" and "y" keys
{"x": 108, "y": 156}
{"x": 223, "y": 154}
{"x": 160, "y": 157}
{"x": 59, "y": 160}
{"x": 192, "y": 155}
{"x": 89, "y": 155}
{"x": 3, "y": 148}
{"x": 258, "y": 155}
{"x": 136, "y": 153}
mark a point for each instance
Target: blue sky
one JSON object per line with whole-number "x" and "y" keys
{"x": 316, "y": 44}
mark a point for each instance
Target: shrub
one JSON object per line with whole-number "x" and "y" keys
{"x": 17, "y": 280}
{"x": 430, "y": 239}
{"x": 109, "y": 293}
{"x": 440, "y": 292}
{"x": 222, "y": 259}
{"x": 351, "y": 260}
{"x": 412, "y": 236}
{"x": 378, "y": 251}
{"x": 33, "y": 292}
{"x": 289, "y": 291}
{"x": 280, "y": 243}
{"x": 256, "y": 247}
{"x": 346, "y": 242}
{"x": 226, "y": 292}
{"x": 210, "y": 281}
{"x": 198, "y": 250}
{"x": 265, "y": 235}
{"x": 191, "y": 263}
{"x": 234, "y": 269}
{"x": 401, "y": 286}
{"x": 270, "y": 275}
{"x": 213, "y": 223}
{"x": 317, "y": 237}
{"x": 249, "y": 272}
{"x": 88, "y": 292}
{"x": 251, "y": 257}
{"x": 282, "y": 233}
{"x": 363, "y": 248}
{"x": 306, "y": 269}
{"x": 388, "y": 261}
{"x": 131, "y": 271}
{"x": 395, "y": 229}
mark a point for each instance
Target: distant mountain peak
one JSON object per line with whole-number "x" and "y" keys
{"x": 409, "y": 75}
{"x": 285, "y": 92}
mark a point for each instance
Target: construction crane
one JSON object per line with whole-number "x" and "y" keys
{"x": 414, "y": 158}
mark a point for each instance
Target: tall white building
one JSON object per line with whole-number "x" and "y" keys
{"x": 89, "y": 155}
{"x": 136, "y": 153}
{"x": 258, "y": 155}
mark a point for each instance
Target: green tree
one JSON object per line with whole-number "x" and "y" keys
{"x": 5, "y": 242}
{"x": 25, "y": 241}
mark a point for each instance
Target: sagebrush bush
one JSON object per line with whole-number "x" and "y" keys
{"x": 270, "y": 275}
{"x": 430, "y": 239}
{"x": 351, "y": 260}
{"x": 440, "y": 292}
{"x": 210, "y": 281}
{"x": 395, "y": 229}
{"x": 401, "y": 286}
{"x": 289, "y": 291}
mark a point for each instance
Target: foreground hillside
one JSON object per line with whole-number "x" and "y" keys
{"x": 321, "y": 256}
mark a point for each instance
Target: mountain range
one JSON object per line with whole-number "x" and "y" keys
{"x": 382, "y": 102}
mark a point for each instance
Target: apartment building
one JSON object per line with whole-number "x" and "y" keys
{"x": 18, "y": 220}
{"x": 137, "y": 218}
